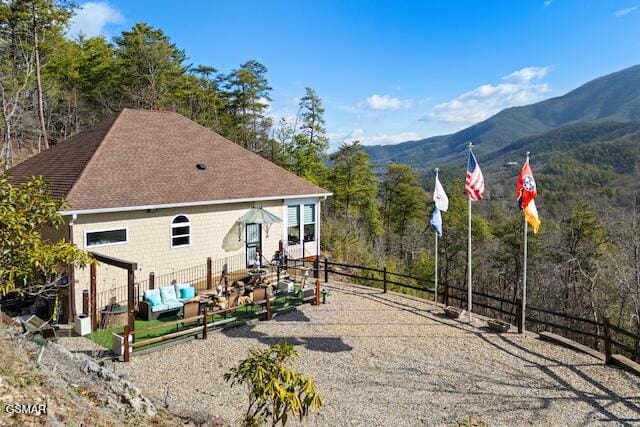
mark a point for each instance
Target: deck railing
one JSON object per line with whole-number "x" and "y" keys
{"x": 203, "y": 276}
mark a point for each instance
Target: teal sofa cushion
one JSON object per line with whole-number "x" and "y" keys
{"x": 159, "y": 307}
{"x": 173, "y": 304}
{"x": 187, "y": 293}
{"x": 152, "y": 296}
{"x": 168, "y": 294}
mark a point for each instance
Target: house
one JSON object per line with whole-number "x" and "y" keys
{"x": 158, "y": 189}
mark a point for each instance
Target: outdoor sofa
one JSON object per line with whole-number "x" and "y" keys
{"x": 165, "y": 301}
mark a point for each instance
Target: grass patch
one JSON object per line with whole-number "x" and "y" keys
{"x": 103, "y": 337}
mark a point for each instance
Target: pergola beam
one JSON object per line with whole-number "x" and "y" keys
{"x": 126, "y": 265}
{"x": 116, "y": 262}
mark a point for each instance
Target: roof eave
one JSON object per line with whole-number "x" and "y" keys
{"x": 189, "y": 204}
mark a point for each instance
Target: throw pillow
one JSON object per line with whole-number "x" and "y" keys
{"x": 153, "y": 299}
{"x": 187, "y": 292}
{"x": 168, "y": 294}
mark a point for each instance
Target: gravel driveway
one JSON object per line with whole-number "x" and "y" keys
{"x": 392, "y": 360}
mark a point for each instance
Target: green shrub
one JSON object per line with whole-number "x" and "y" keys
{"x": 275, "y": 390}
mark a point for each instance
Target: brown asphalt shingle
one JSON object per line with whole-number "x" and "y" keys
{"x": 141, "y": 158}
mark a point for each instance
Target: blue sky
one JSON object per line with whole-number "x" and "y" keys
{"x": 394, "y": 71}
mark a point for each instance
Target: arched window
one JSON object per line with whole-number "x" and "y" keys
{"x": 180, "y": 231}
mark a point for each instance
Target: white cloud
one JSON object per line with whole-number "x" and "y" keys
{"x": 547, "y": 2}
{"x": 287, "y": 110}
{"x": 528, "y": 73}
{"x": 386, "y": 102}
{"x": 91, "y": 18}
{"x": 377, "y": 139}
{"x": 622, "y": 12}
{"x": 518, "y": 88}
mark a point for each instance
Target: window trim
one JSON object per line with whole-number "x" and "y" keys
{"x": 304, "y": 235}
{"x": 87, "y": 232}
{"x": 180, "y": 225}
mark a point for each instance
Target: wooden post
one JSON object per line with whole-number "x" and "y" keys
{"x": 384, "y": 279}
{"x": 268, "y": 306}
{"x": 317, "y": 292}
{"x": 92, "y": 287}
{"x": 316, "y": 268}
{"x": 152, "y": 280}
{"x": 607, "y": 340}
{"x": 445, "y": 296}
{"x": 126, "y": 343}
{"x": 204, "y": 324}
{"x": 326, "y": 271}
{"x": 131, "y": 303}
{"x": 519, "y": 314}
{"x": 278, "y": 274}
{"x": 85, "y": 302}
{"x": 209, "y": 276}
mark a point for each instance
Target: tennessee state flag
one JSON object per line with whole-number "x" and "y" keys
{"x": 526, "y": 192}
{"x": 526, "y": 189}
{"x": 531, "y": 215}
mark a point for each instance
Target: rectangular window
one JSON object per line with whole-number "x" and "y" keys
{"x": 108, "y": 237}
{"x": 309, "y": 218}
{"x": 180, "y": 241}
{"x": 293, "y": 224}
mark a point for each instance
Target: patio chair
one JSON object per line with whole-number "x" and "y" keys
{"x": 189, "y": 309}
{"x": 259, "y": 295}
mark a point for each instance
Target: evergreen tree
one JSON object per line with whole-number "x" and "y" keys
{"x": 311, "y": 143}
{"x": 150, "y": 66}
{"x": 354, "y": 187}
{"x": 249, "y": 97}
{"x": 403, "y": 203}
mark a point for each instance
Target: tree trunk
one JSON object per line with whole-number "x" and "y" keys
{"x": 7, "y": 149}
{"x": 36, "y": 52}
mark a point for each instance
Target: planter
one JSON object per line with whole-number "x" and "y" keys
{"x": 499, "y": 326}
{"x": 117, "y": 344}
{"x": 452, "y": 312}
{"x": 82, "y": 324}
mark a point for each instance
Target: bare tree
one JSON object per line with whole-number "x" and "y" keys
{"x": 36, "y": 55}
{"x": 12, "y": 91}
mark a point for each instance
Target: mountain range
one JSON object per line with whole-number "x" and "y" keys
{"x": 604, "y": 110}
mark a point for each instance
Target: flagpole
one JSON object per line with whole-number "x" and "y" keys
{"x": 524, "y": 273}
{"x": 469, "y": 304}
{"x": 435, "y": 295}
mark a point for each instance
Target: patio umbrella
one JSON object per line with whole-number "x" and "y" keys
{"x": 258, "y": 216}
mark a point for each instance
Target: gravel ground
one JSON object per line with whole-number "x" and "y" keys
{"x": 388, "y": 359}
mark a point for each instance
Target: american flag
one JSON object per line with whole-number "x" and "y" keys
{"x": 474, "y": 184}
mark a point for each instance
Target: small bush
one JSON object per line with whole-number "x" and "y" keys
{"x": 275, "y": 390}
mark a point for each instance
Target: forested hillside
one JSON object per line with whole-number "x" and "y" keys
{"x": 53, "y": 86}
{"x": 585, "y": 150}
{"x": 615, "y": 97}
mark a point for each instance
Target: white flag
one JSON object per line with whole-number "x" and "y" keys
{"x": 440, "y": 197}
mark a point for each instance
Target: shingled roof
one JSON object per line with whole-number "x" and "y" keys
{"x": 141, "y": 158}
